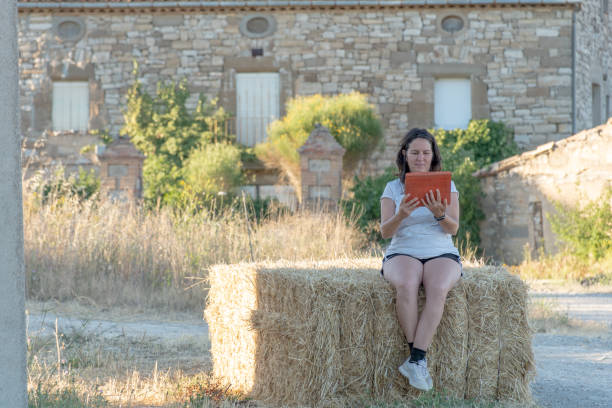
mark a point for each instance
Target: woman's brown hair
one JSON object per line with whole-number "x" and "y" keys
{"x": 416, "y": 133}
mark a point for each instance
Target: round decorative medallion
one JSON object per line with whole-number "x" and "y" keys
{"x": 69, "y": 28}
{"x": 452, "y": 24}
{"x": 257, "y": 25}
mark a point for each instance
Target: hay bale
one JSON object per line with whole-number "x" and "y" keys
{"x": 448, "y": 353}
{"x": 316, "y": 333}
{"x": 516, "y": 362}
{"x": 482, "y": 294}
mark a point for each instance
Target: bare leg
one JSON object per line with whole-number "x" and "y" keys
{"x": 405, "y": 274}
{"x": 439, "y": 276}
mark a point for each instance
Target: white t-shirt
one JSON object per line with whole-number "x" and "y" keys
{"x": 418, "y": 235}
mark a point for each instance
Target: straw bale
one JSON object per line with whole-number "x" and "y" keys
{"x": 319, "y": 333}
{"x": 448, "y": 353}
{"x": 516, "y": 363}
{"x": 482, "y": 293}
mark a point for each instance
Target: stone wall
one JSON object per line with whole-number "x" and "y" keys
{"x": 593, "y": 60}
{"x": 518, "y": 61}
{"x": 520, "y": 191}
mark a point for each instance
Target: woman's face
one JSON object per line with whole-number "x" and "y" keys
{"x": 419, "y": 155}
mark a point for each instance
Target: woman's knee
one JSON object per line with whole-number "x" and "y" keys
{"x": 407, "y": 289}
{"x": 436, "y": 292}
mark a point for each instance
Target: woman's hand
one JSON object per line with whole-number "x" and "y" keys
{"x": 434, "y": 203}
{"x": 407, "y": 206}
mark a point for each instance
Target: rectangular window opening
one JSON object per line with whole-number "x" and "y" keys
{"x": 452, "y": 103}
{"x": 257, "y": 105}
{"x": 70, "y": 106}
{"x": 596, "y": 104}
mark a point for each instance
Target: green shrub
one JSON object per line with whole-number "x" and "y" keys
{"x": 587, "y": 231}
{"x": 364, "y": 202}
{"x": 214, "y": 168}
{"x": 84, "y": 185}
{"x": 350, "y": 119}
{"x": 167, "y": 133}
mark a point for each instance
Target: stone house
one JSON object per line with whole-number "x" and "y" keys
{"x": 540, "y": 66}
{"x": 520, "y": 191}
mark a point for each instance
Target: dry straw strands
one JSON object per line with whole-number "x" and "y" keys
{"x": 326, "y": 333}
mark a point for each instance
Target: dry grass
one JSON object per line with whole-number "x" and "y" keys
{"x": 106, "y": 254}
{"x": 565, "y": 267}
{"x": 545, "y": 317}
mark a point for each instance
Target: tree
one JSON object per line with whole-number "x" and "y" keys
{"x": 167, "y": 133}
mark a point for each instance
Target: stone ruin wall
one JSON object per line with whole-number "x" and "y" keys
{"x": 520, "y": 191}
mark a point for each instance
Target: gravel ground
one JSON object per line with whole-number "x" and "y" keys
{"x": 574, "y": 370}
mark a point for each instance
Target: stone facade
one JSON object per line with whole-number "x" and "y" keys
{"x": 593, "y": 59}
{"x": 518, "y": 58}
{"x": 520, "y": 191}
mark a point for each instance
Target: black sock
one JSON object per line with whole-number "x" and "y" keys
{"x": 417, "y": 355}
{"x": 410, "y": 347}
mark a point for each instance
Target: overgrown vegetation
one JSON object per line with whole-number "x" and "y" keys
{"x": 351, "y": 120}
{"x": 585, "y": 232}
{"x": 585, "y": 255}
{"x": 463, "y": 152}
{"x": 113, "y": 254}
{"x": 56, "y": 186}
{"x": 175, "y": 141}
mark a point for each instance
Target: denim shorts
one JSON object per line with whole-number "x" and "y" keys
{"x": 454, "y": 257}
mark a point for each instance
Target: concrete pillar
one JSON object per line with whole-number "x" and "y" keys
{"x": 13, "y": 392}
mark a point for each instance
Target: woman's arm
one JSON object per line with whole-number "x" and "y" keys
{"x": 450, "y": 223}
{"x": 389, "y": 220}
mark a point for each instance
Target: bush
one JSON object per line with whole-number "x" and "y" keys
{"x": 364, "y": 202}
{"x": 167, "y": 133}
{"x": 350, "y": 119}
{"x": 587, "y": 231}
{"x": 84, "y": 185}
{"x": 214, "y": 168}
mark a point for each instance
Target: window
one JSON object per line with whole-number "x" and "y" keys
{"x": 257, "y": 104}
{"x": 452, "y": 24}
{"x": 596, "y": 104}
{"x": 70, "y": 106}
{"x": 257, "y": 25}
{"x": 70, "y": 29}
{"x": 452, "y": 103}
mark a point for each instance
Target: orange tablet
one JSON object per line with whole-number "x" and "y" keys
{"x": 419, "y": 184}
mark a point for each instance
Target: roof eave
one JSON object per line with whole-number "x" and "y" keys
{"x": 126, "y": 6}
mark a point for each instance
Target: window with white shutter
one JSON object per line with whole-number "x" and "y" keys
{"x": 452, "y": 103}
{"x": 70, "y": 106}
{"x": 257, "y": 104}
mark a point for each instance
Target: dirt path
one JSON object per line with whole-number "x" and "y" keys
{"x": 573, "y": 369}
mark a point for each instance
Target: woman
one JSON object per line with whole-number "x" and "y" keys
{"x": 421, "y": 251}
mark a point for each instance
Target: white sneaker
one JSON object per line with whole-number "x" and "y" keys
{"x": 417, "y": 374}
